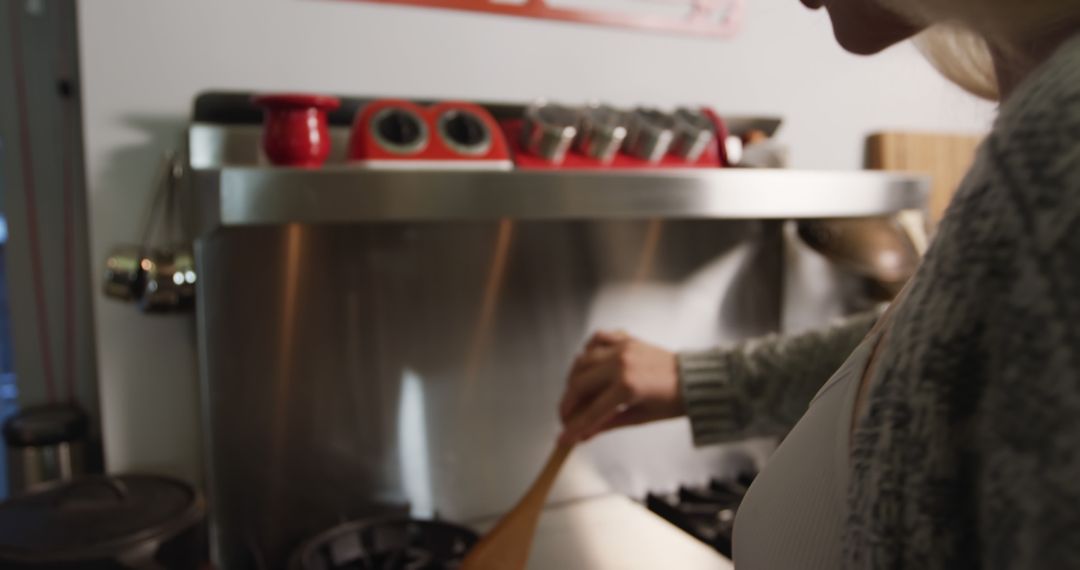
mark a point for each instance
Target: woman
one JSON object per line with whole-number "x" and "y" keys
{"x": 950, "y": 438}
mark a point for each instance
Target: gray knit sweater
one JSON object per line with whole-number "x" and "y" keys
{"x": 969, "y": 453}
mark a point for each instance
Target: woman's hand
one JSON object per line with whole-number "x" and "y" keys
{"x": 618, "y": 381}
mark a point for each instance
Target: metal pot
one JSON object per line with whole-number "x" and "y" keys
{"x": 159, "y": 273}
{"x": 603, "y": 130}
{"x": 124, "y": 278}
{"x": 650, "y": 134}
{"x": 169, "y": 279}
{"x": 878, "y": 250}
{"x": 45, "y": 443}
{"x": 125, "y": 522}
{"x": 693, "y": 133}
{"x": 549, "y": 130}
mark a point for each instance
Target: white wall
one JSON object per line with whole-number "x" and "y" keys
{"x": 144, "y": 60}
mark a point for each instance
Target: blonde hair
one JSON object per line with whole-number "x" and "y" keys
{"x": 961, "y": 32}
{"x": 963, "y": 57}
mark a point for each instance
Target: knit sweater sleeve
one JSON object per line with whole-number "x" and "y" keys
{"x": 1027, "y": 442}
{"x": 762, "y": 387}
{"x": 1027, "y": 430}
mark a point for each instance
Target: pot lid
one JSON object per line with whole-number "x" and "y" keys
{"x": 48, "y": 424}
{"x": 96, "y": 517}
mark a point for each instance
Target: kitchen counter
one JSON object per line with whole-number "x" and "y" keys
{"x": 613, "y": 532}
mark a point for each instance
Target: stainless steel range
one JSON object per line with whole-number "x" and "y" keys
{"x": 376, "y": 343}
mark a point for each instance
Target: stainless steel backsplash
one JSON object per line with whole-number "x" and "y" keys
{"x": 357, "y": 368}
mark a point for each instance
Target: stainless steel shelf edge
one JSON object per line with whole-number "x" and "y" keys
{"x": 241, "y": 196}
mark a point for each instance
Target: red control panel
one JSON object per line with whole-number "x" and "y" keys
{"x": 393, "y": 132}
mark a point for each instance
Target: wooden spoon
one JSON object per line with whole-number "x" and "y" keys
{"x": 506, "y": 546}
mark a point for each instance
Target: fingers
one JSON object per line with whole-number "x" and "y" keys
{"x": 594, "y": 393}
{"x": 591, "y": 371}
{"x": 597, "y": 413}
{"x": 593, "y": 356}
{"x": 601, "y": 345}
{"x": 585, "y": 384}
{"x": 606, "y": 338}
{"x": 618, "y": 381}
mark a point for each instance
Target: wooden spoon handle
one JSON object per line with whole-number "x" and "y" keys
{"x": 506, "y": 546}
{"x": 550, "y": 472}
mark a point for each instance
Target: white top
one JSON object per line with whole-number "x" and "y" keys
{"x": 612, "y": 532}
{"x": 793, "y": 514}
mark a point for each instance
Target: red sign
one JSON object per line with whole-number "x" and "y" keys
{"x": 715, "y": 18}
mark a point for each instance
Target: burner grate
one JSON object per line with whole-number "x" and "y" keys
{"x": 403, "y": 544}
{"x": 705, "y": 512}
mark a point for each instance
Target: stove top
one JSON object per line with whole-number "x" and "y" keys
{"x": 401, "y": 544}
{"x": 706, "y": 512}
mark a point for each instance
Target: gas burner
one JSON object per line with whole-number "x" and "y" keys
{"x": 707, "y": 513}
{"x": 399, "y": 544}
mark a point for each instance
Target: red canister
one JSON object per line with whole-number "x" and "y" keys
{"x": 295, "y": 131}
